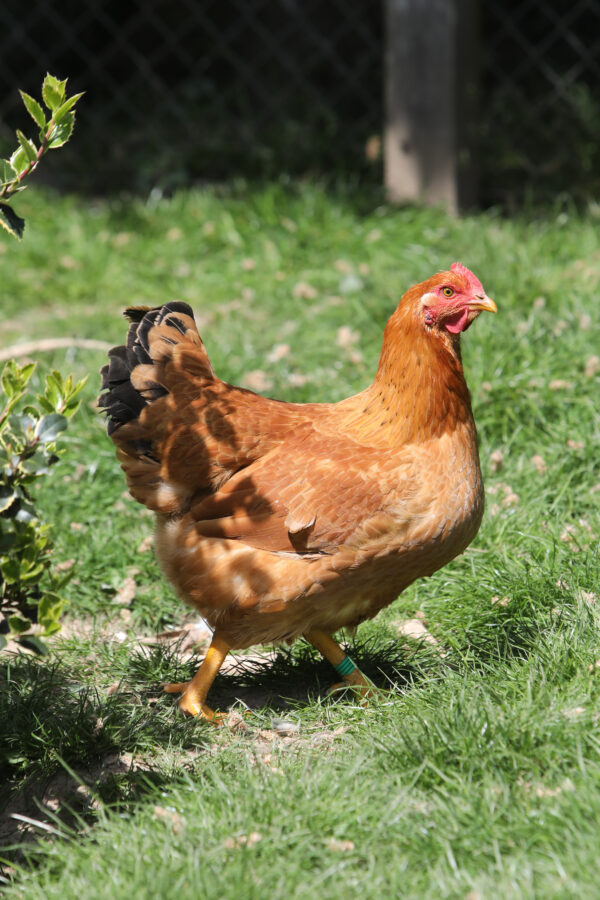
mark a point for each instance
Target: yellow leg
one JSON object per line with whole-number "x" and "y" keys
{"x": 334, "y": 654}
{"x": 195, "y": 691}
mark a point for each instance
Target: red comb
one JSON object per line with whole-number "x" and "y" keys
{"x": 474, "y": 282}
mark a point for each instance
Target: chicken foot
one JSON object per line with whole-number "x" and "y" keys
{"x": 342, "y": 663}
{"x": 194, "y": 692}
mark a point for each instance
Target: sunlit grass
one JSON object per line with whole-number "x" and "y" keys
{"x": 476, "y": 771}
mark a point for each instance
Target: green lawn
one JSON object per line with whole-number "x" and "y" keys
{"x": 476, "y": 774}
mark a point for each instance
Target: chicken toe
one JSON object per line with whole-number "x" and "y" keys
{"x": 194, "y": 692}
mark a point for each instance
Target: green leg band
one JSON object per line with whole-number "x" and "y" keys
{"x": 345, "y": 666}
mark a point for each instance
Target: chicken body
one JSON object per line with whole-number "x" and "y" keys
{"x": 276, "y": 519}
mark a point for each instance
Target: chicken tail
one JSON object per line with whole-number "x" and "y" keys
{"x": 162, "y": 345}
{"x": 134, "y": 375}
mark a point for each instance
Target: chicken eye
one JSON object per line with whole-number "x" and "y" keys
{"x": 447, "y": 292}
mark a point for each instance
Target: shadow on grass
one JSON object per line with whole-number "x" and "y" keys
{"x": 287, "y": 676}
{"x": 68, "y": 749}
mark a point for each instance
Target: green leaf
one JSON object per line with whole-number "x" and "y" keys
{"x": 26, "y": 513}
{"x": 19, "y": 624}
{"x": 28, "y": 146}
{"x": 14, "y": 378}
{"x": 9, "y": 378}
{"x": 33, "y": 573}
{"x": 49, "y": 610}
{"x": 19, "y": 160}
{"x": 53, "y": 394}
{"x": 7, "y": 173}
{"x": 9, "y": 220}
{"x": 49, "y": 427}
{"x": 45, "y": 404}
{"x": 53, "y": 92}
{"x": 25, "y": 373}
{"x": 34, "y": 109}
{"x": 62, "y": 111}
{"x": 61, "y": 133}
{"x": 7, "y": 497}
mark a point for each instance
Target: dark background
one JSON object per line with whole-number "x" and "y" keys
{"x": 189, "y": 91}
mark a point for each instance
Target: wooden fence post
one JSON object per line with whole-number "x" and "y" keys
{"x": 431, "y": 74}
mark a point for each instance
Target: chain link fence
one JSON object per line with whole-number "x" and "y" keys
{"x": 207, "y": 90}
{"x": 540, "y": 123}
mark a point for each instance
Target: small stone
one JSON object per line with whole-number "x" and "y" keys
{"x": 539, "y": 463}
{"x": 146, "y": 544}
{"x": 285, "y": 727}
{"x": 346, "y": 337}
{"x": 338, "y": 846}
{"x": 497, "y": 460}
{"x": 304, "y": 291}
{"x": 126, "y": 592}
{"x": 342, "y": 265}
{"x": 242, "y": 840}
{"x": 278, "y": 352}
{"x": 171, "y": 817}
{"x": 297, "y": 379}
{"x": 415, "y": 629}
{"x": 257, "y": 381}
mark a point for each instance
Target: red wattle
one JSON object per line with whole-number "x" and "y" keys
{"x": 458, "y": 322}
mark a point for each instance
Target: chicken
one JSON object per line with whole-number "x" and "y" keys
{"x": 278, "y": 520}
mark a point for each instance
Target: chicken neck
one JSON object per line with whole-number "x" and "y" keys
{"x": 419, "y": 391}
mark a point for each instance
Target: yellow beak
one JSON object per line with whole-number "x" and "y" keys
{"x": 483, "y": 303}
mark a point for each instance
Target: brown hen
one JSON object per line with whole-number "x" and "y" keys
{"x": 277, "y": 519}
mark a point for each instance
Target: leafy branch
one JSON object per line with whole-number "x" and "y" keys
{"x": 30, "y": 601}
{"x": 54, "y": 132}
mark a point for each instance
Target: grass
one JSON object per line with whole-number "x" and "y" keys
{"x": 476, "y": 774}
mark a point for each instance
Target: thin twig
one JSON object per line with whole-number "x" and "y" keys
{"x": 18, "y": 350}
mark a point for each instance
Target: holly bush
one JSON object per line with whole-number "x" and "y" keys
{"x": 30, "y": 425}
{"x": 30, "y": 602}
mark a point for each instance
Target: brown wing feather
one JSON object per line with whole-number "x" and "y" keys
{"x": 309, "y": 495}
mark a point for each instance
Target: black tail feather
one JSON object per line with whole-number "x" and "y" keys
{"x": 121, "y": 401}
